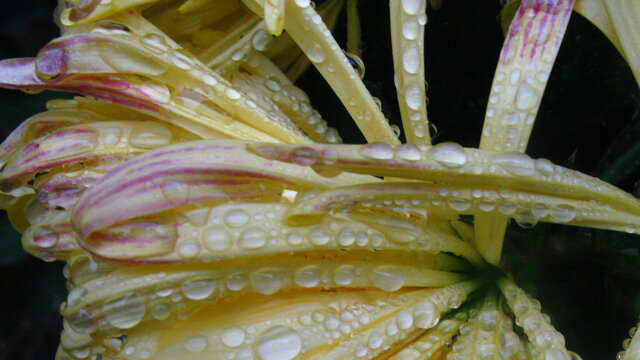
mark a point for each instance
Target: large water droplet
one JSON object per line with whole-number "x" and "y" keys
{"x": 195, "y": 343}
{"x": 278, "y": 343}
{"x": 344, "y": 275}
{"x": 411, "y": 59}
{"x": 319, "y": 236}
{"x": 411, "y": 7}
{"x": 413, "y": 97}
{"x": 563, "y": 213}
{"x": 252, "y": 238}
{"x": 449, "y": 154}
{"x": 308, "y": 276}
{"x": 81, "y": 322}
{"x": 236, "y": 218}
{"x": 410, "y": 29}
{"x": 125, "y": 312}
{"x": 161, "y": 310}
{"x": 198, "y": 289}
{"x": 377, "y": 151}
{"x": 233, "y": 336}
{"x": 516, "y": 163}
{"x": 425, "y": 314}
{"x": 266, "y": 281}
{"x": 260, "y": 40}
{"x": 388, "y": 277}
{"x": 526, "y": 97}
{"x": 154, "y": 42}
{"x": 216, "y": 238}
{"x": 316, "y": 54}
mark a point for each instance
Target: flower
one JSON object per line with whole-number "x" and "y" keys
{"x": 206, "y": 211}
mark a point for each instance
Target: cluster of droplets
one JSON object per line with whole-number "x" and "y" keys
{"x": 628, "y": 351}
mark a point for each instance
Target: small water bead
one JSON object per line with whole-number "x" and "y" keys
{"x": 316, "y": 54}
{"x": 278, "y": 343}
{"x": 154, "y": 42}
{"x": 195, "y": 343}
{"x": 308, "y": 276}
{"x": 252, "y": 238}
{"x": 266, "y": 281}
{"x": 459, "y": 204}
{"x": 233, "y": 336}
{"x": 346, "y": 236}
{"x": 126, "y": 311}
{"x": 374, "y": 340}
{"x": 198, "y": 289}
{"x": 232, "y": 93}
{"x": 81, "y": 322}
{"x": 404, "y": 320}
{"x": 448, "y": 154}
{"x": 236, "y": 218}
{"x": 377, "y": 151}
{"x": 149, "y": 136}
{"x": 411, "y": 59}
{"x": 181, "y": 60}
{"x": 563, "y": 213}
{"x": 410, "y": 29}
{"x": 518, "y": 164}
{"x": 344, "y": 275}
{"x": 319, "y": 236}
{"x": 237, "y": 281}
{"x": 408, "y": 152}
{"x": 411, "y": 7}
{"x": 413, "y": 97}
{"x": 216, "y": 238}
{"x": 161, "y": 310}
{"x": 425, "y": 314}
{"x": 388, "y": 277}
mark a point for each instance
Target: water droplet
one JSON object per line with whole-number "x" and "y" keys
{"x": 161, "y": 310}
{"x": 232, "y": 93}
{"x": 411, "y": 59}
{"x": 356, "y": 62}
{"x": 459, "y": 204}
{"x": 319, "y": 236}
{"x": 377, "y": 151}
{"x": 216, "y": 238}
{"x": 516, "y": 163}
{"x": 176, "y": 193}
{"x": 544, "y": 166}
{"x": 526, "y": 97}
{"x": 316, "y": 54}
{"x": 507, "y": 208}
{"x": 237, "y": 282}
{"x": 344, "y": 275}
{"x": 346, "y": 236}
{"x": 410, "y": 29}
{"x": 563, "y": 213}
{"x": 425, "y": 315}
{"x": 449, "y": 154}
{"x": 404, "y": 320}
{"x": 154, "y": 42}
{"x": 252, "y": 238}
{"x": 125, "y": 312}
{"x": 149, "y": 135}
{"x": 303, "y": 156}
{"x": 388, "y": 277}
{"x": 408, "y": 152}
{"x": 278, "y": 343}
{"x": 266, "y": 281}
{"x": 526, "y": 219}
{"x": 233, "y": 336}
{"x": 413, "y": 97}
{"x": 236, "y": 218}
{"x": 181, "y": 60}
{"x": 198, "y": 289}
{"x": 411, "y": 7}
{"x": 81, "y": 322}
{"x": 111, "y": 135}
{"x": 308, "y": 276}
{"x": 195, "y": 343}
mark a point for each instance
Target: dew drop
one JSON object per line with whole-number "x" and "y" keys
{"x": 346, "y": 236}
{"x": 232, "y": 93}
{"x": 252, "y": 238}
{"x": 526, "y": 97}
{"x": 377, "y": 151}
{"x": 216, "y": 238}
{"x": 266, "y": 281}
{"x": 149, "y": 135}
{"x": 154, "y": 42}
{"x": 308, "y": 276}
{"x": 413, "y": 97}
{"x": 161, "y": 310}
{"x": 316, "y": 54}
{"x": 181, "y": 60}
{"x": 319, "y": 236}
{"x": 233, "y": 336}
{"x": 459, "y": 204}
{"x": 237, "y": 282}
{"x": 408, "y": 152}
{"x": 81, "y": 322}
{"x": 404, "y": 320}
{"x": 449, "y": 154}
{"x": 125, "y": 312}
{"x": 425, "y": 315}
{"x": 411, "y": 59}
{"x": 516, "y": 163}
{"x": 198, "y": 289}
{"x": 388, "y": 277}
{"x": 344, "y": 275}
{"x": 176, "y": 193}
{"x": 411, "y": 7}
{"x": 195, "y": 343}
{"x": 410, "y": 29}
{"x": 278, "y": 343}
{"x": 563, "y": 213}
{"x": 236, "y": 218}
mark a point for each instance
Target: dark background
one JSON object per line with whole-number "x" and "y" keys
{"x": 588, "y": 281}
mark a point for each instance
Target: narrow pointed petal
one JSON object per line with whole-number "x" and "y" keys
{"x": 625, "y": 16}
